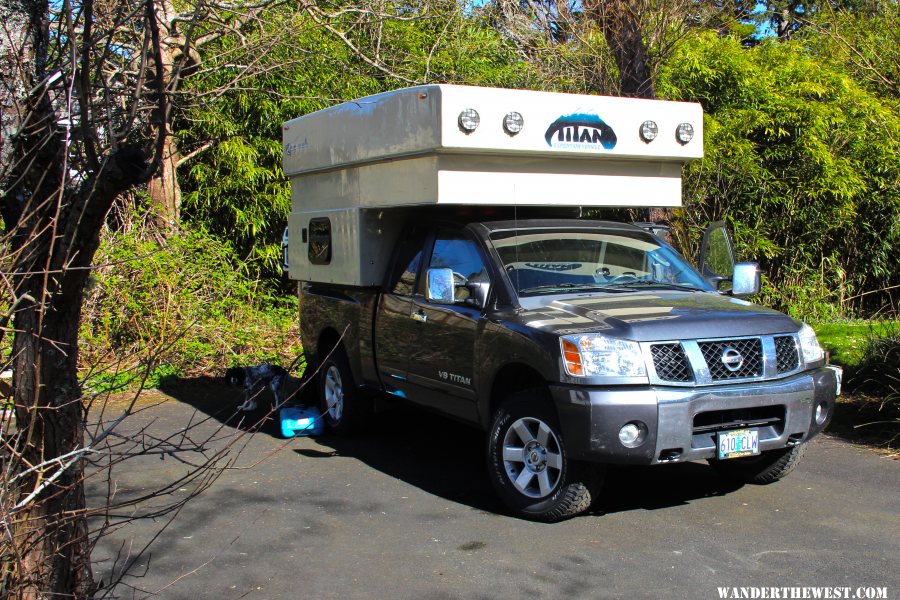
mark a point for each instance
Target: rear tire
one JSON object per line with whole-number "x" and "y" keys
{"x": 344, "y": 407}
{"x": 768, "y": 467}
{"x": 528, "y": 464}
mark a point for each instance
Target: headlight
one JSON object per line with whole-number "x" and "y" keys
{"x": 809, "y": 345}
{"x": 596, "y": 355}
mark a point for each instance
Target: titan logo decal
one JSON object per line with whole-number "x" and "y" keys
{"x": 452, "y": 377}
{"x": 580, "y": 131}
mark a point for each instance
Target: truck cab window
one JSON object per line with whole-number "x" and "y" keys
{"x": 457, "y": 252}
{"x": 409, "y": 260}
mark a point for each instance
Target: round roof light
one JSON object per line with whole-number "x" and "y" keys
{"x": 469, "y": 120}
{"x": 513, "y": 123}
{"x": 649, "y": 131}
{"x": 684, "y": 133}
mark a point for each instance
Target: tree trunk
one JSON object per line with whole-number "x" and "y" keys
{"x": 14, "y": 52}
{"x": 164, "y": 190}
{"x": 51, "y": 546}
{"x": 53, "y": 221}
{"x": 620, "y": 21}
{"x": 621, "y": 24}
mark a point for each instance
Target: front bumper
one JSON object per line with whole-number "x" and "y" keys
{"x": 682, "y": 423}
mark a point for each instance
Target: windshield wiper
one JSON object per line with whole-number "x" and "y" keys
{"x": 663, "y": 285}
{"x": 568, "y": 286}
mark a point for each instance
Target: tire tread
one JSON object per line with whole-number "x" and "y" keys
{"x": 767, "y": 470}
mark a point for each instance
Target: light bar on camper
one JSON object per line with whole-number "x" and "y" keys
{"x": 450, "y": 144}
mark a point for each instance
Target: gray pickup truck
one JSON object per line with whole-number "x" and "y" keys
{"x": 573, "y": 344}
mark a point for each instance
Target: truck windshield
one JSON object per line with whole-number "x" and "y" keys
{"x": 558, "y": 261}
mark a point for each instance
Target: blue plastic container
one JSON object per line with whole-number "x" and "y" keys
{"x": 300, "y": 421}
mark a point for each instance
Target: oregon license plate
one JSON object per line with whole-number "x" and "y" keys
{"x": 737, "y": 443}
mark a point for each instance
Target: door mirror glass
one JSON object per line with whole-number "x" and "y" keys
{"x": 439, "y": 286}
{"x": 746, "y": 280}
{"x": 716, "y": 254}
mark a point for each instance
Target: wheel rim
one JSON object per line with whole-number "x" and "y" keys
{"x": 334, "y": 394}
{"x": 532, "y": 457}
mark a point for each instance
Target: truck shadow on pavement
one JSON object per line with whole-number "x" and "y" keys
{"x": 445, "y": 458}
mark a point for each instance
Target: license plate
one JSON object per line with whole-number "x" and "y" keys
{"x": 737, "y": 443}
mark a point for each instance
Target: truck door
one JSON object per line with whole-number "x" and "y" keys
{"x": 395, "y": 329}
{"x": 441, "y": 368}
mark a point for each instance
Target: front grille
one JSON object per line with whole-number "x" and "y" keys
{"x": 736, "y": 418}
{"x": 670, "y": 363}
{"x": 745, "y": 356}
{"x": 787, "y": 357}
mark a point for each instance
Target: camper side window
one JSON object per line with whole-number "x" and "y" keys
{"x": 319, "y": 241}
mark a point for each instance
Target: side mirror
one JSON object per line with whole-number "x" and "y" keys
{"x": 439, "y": 286}
{"x": 746, "y": 280}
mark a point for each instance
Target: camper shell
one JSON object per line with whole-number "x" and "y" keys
{"x": 356, "y": 166}
{"x": 440, "y": 259}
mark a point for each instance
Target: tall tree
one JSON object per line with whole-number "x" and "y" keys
{"x": 292, "y": 62}
{"x": 622, "y": 26}
{"x": 84, "y": 91}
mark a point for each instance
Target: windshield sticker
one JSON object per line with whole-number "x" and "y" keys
{"x": 581, "y": 131}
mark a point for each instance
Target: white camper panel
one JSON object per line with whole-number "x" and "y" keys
{"x": 348, "y": 246}
{"x": 492, "y": 180}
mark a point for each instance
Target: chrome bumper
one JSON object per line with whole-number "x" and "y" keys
{"x": 591, "y": 417}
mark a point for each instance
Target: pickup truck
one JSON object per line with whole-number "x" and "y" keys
{"x": 573, "y": 344}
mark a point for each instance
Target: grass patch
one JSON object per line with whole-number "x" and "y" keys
{"x": 869, "y": 409}
{"x": 846, "y": 342}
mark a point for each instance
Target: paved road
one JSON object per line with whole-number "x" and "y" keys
{"x": 407, "y": 512}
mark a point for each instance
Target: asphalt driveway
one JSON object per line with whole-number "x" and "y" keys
{"x": 406, "y": 511}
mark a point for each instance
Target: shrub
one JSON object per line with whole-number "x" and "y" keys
{"x": 178, "y": 307}
{"x": 879, "y": 370}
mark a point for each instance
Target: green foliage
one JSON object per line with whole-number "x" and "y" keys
{"x": 290, "y": 66}
{"x": 866, "y": 41}
{"x": 803, "y": 163}
{"x": 179, "y": 308}
{"x": 879, "y": 368}
{"x": 876, "y": 382}
{"x": 846, "y": 341}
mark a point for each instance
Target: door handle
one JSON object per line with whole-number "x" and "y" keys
{"x": 419, "y": 316}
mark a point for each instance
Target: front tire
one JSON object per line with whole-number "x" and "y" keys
{"x": 768, "y": 467}
{"x": 528, "y": 463}
{"x": 344, "y": 408}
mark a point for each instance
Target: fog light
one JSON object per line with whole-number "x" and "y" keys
{"x": 633, "y": 434}
{"x": 513, "y": 123}
{"x": 649, "y": 131}
{"x": 684, "y": 133}
{"x": 469, "y": 120}
{"x": 821, "y": 413}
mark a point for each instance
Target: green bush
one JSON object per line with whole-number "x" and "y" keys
{"x": 179, "y": 307}
{"x": 878, "y": 373}
{"x": 802, "y": 162}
